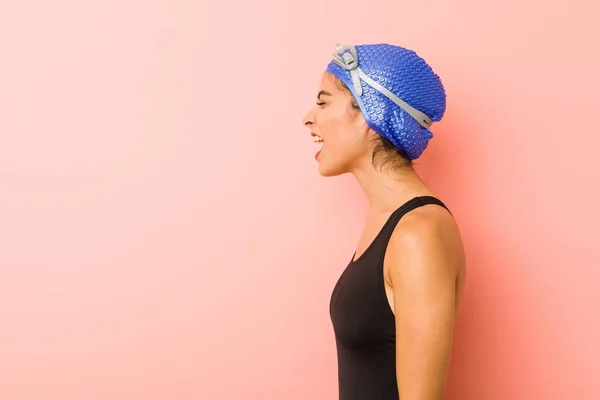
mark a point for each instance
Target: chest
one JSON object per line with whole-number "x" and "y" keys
{"x": 359, "y": 307}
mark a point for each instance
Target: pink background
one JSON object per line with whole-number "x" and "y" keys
{"x": 164, "y": 233}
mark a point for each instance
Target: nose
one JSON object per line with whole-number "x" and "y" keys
{"x": 308, "y": 119}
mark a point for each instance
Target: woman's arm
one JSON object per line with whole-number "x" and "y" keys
{"x": 423, "y": 260}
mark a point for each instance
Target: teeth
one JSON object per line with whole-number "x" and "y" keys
{"x": 317, "y": 139}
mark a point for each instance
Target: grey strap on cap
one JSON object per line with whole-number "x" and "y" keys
{"x": 347, "y": 58}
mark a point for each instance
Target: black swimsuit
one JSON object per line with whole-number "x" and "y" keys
{"x": 363, "y": 322}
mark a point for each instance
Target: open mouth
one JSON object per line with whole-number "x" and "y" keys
{"x": 317, "y": 139}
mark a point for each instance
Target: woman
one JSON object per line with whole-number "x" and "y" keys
{"x": 393, "y": 308}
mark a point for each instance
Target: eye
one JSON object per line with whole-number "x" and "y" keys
{"x": 320, "y": 103}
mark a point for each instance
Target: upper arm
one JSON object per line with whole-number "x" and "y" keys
{"x": 422, "y": 268}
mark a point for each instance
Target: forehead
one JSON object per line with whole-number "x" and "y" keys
{"x": 330, "y": 85}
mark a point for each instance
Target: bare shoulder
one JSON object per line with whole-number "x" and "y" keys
{"x": 425, "y": 255}
{"x": 426, "y": 249}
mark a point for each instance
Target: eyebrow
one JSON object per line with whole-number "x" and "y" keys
{"x": 324, "y": 93}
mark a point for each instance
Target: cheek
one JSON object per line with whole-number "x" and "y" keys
{"x": 334, "y": 125}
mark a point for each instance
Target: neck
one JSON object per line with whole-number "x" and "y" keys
{"x": 387, "y": 190}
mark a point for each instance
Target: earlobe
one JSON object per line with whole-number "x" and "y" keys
{"x": 362, "y": 123}
{"x": 372, "y": 140}
{"x": 369, "y": 132}
{"x": 366, "y": 133}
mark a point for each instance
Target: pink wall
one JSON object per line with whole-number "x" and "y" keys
{"x": 164, "y": 233}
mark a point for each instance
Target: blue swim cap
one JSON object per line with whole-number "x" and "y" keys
{"x": 397, "y": 91}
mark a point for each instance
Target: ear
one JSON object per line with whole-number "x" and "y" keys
{"x": 370, "y": 136}
{"x": 367, "y": 133}
{"x": 364, "y": 128}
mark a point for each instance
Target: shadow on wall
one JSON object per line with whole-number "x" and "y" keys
{"x": 490, "y": 331}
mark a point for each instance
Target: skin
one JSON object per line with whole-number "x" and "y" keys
{"x": 424, "y": 265}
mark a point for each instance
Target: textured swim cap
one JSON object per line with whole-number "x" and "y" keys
{"x": 397, "y": 91}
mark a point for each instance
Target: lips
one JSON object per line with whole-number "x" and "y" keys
{"x": 317, "y": 139}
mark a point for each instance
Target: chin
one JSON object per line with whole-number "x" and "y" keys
{"x": 330, "y": 170}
